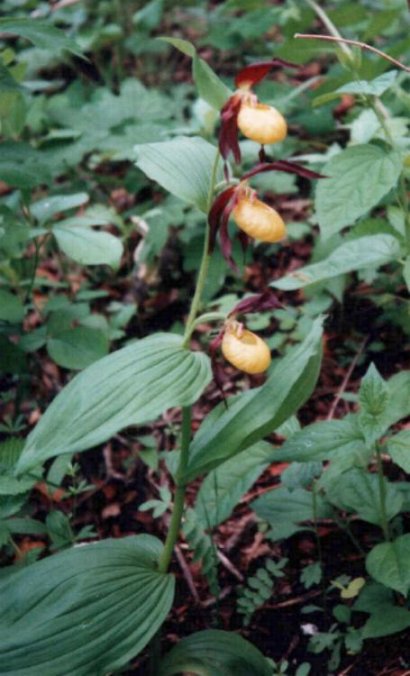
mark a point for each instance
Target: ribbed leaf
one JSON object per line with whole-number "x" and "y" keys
{"x": 358, "y": 179}
{"x": 388, "y": 563}
{"x": 87, "y": 610}
{"x": 356, "y": 254}
{"x": 258, "y": 412}
{"x": 222, "y": 489}
{"x": 128, "y": 387}
{"x": 215, "y": 653}
{"x": 182, "y": 166}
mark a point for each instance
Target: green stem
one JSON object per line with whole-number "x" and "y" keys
{"x": 179, "y": 498}
{"x": 318, "y": 544}
{"x": 33, "y": 274}
{"x": 174, "y": 527}
{"x": 382, "y": 494}
{"x": 206, "y": 257}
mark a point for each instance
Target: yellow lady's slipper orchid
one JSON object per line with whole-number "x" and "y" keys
{"x": 261, "y": 123}
{"x": 258, "y": 220}
{"x": 244, "y": 349}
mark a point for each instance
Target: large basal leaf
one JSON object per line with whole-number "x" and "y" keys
{"x": 358, "y": 179}
{"x": 363, "y": 252}
{"x": 256, "y": 413}
{"x": 42, "y": 35}
{"x": 285, "y": 510}
{"x": 128, "y": 387}
{"x": 222, "y": 489}
{"x": 182, "y": 166}
{"x": 87, "y": 610}
{"x": 388, "y": 563}
{"x": 215, "y": 653}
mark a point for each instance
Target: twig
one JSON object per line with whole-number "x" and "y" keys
{"x": 187, "y": 573}
{"x": 346, "y": 380}
{"x": 229, "y": 565}
{"x": 356, "y": 43}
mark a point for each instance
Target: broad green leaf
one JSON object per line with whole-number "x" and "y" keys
{"x": 44, "y": 209}
{"x": 286, "y": 510}
{"x": 222, "y": 489}
{"x": 358, "y": 179}
{"x": 358, "y": 491}
{"x": 375, "y": 87}
{"x": 373, "y": 400}
{"x": 78, "y": 347}
{"x": 356, "y": 254}
{"x": 398, "y": 406}
{"x": 11, "y": 308}
{"x": 128, "y": 387}
{"x": 385, "y": 617}
{"x": 388, "y": 563}
{"x": 10, "y": 451}
{"x": 210, "y": 86}
{"x": 87, "y": 610}
{"x": 255, "y": 413}
{"x": 399, "y": 449}
{"x": 22, "y": 166}
{"x": 7, "y": 82}
{"x": 215, "y": 653}
{"x": 87, "y": 246}
{"x": 42, "y": 35}
{"x": 388, "y": 620}
{"x": 182, "y": 166}
{"x": 321, "y": 441}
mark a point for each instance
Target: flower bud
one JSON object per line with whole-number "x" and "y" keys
{"x": 258, "y": 220}
{"x": 244, "y": 349}
{"x": 261, "y": 123}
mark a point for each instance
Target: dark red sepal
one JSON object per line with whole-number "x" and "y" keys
{"x": 255, "y": 72}
{"x": 260, "y": 302}
{"x": 282, "y": 165}
{"x": 228, "y": 134}
{"x": 220, "y": 209}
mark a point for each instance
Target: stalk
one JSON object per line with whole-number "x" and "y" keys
{"x": 206, "y": 257}
{"x": 179, "y": 497}
{"x": 382, "y": 494}
{"x": 174, "y": 526}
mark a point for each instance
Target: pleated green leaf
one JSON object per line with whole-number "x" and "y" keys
{"x": 128, "y": 387}
{"x": 85, "y": 611}
{"x": 258, "y": 412}
{"x": 215, "y": 653}
{"x": 182, "y": 166}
